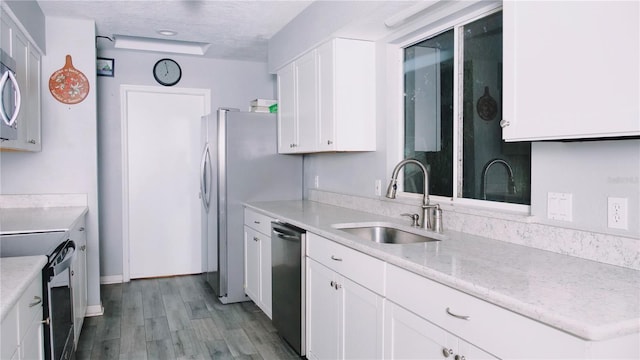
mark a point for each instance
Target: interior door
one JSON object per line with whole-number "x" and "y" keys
{"x": 163, "y": 211}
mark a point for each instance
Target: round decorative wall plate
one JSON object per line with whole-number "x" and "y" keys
{"x": 487, "y": 106}
{"x": 69, "y": 85}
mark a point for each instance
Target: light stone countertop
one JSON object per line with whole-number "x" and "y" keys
{"x": 588, "y": 299}
{"x": 16, "y": 274}
{"x": 39, "y": 219}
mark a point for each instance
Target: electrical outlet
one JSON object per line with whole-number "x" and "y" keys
{"x": 378, "y": 187}
{"x": 617, "y": 213}
{"x": 316, "y": 182}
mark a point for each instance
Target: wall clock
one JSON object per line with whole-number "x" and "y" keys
{"x": 167, "y": 72}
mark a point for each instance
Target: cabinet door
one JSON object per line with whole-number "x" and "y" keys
{"x": 323, "y": 313}
{"x": 361, "y": 321}
{"x": 287, "y": 137}
{"x": 307, "y": 95}
{"x": 252, "y": 264}
{"x": 265, "y": 274}
{"x": 559, "y": 82}
{"x": 326, "y": 108}
{"x": 79, "y": 279}
{"x": 408, "y": 336}
{"x": 33, "y": 111}
{"x": 32, "y": 346}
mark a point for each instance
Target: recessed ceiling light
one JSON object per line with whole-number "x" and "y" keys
{"x": 167, "y": 32}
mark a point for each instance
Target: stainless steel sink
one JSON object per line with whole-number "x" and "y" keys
{"x": 386, "y": 233}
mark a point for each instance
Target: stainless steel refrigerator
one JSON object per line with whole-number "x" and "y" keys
{"x": 249, "y": 168}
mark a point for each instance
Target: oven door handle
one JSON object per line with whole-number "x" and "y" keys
{"x": 66, "y": 262}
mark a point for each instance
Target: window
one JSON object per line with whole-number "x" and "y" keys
{"x": 460, "y": 142}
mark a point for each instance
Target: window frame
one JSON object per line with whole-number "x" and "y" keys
{"x": 455, "y": 23}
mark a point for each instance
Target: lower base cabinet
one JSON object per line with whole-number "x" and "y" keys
{"x": 359, "y": 307}
{"x": 79, "y": 277}
{"x": 21, "y": 335}
{"x": 408, "y": 336}
{"x": 344, "y": 318}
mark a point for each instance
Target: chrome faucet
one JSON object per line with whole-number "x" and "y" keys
{"x": 512, "y": 183}
{"x": 427, "y": 222}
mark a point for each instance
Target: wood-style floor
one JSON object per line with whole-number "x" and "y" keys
{"x": 177, "y": 318}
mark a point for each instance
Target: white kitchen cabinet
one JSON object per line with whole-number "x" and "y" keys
{"x": 79, "y": 277}
{"x": 408, "y": 336}
{"x": 571, "y": 69}
{"x": 28, "y": 74}
{"x": 257, "y": 259}
{"x": 21, "y": 330}
{"x": 297, "y": 123}
{"x": 327, "y": 99}
{"x": 287, "y": 109}
{"x": 488, "y": 327}
{"x": 344, "y": 318}
{"x": 347, "y": 113}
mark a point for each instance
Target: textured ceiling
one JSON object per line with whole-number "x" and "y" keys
{"x": 235, "y": 29}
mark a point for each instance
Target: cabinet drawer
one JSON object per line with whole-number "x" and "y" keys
{"x": 30, "y": 305}
{"x": 496, "y": 330}
{"x": 361, "y": 268}
{"x": 257, "y": 221}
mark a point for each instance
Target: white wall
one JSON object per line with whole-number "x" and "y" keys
{"x": 68, "y": 161}
{"x": 232, "y": 84}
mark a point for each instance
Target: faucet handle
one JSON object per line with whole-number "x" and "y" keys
{"x": 414, "y": 217}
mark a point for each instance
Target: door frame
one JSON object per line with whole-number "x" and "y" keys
{"x": 125, "y": 90}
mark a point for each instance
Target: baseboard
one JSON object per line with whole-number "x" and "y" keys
{"x": 94, "y": 310}
{"x": 111, "y": 279}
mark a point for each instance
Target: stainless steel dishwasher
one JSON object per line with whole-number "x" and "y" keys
{"x": 288, "y": 245}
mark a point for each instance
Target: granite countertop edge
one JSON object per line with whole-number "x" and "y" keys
{"x": 314, "y": 217}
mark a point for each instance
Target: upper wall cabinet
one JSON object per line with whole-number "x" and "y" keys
{"x": 28, "y": 73}
{"x": 327, "y": 99}
{"x": 571, "y": 70}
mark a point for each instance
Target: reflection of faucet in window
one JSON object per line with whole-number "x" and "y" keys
{"x": 512, "y": 183}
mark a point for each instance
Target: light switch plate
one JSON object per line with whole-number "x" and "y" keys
{"x": 560, "y": 206}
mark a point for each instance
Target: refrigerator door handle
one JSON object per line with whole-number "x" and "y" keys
{"x": 207, "y": 179}
{"x": 203, "y": 190}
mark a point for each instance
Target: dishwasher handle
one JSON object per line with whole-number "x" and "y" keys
{"x": 286, "y": 231}
{"x": 285, "y": 236}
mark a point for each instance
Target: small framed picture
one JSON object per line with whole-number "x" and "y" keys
{"x": 104, "y": 66}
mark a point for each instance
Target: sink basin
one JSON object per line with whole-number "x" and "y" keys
{"x": 386, "y": 233}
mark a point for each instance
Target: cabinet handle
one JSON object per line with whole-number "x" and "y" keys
{"x": 81, "y": 229}
{"x": 45, "y": 321}
{"x": 462, "y": 317}
{"x": 255, "y": 238}
{"x": 329, "y": 142}
{"x": 504, "y": 123}
{"x": 459, "y": 357}
{"x": 32, "y": 141}
{"x": 332, "y": 283}
{"x": 337, "y": 286}
{"x": 256, "y": 222}
{"x": 447, "y": 352}
{"x": 72, "y": 273}
{"x": 36, "y": 301}
{"x": 83, "y": 247}
{"x": 335, "y": 258}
